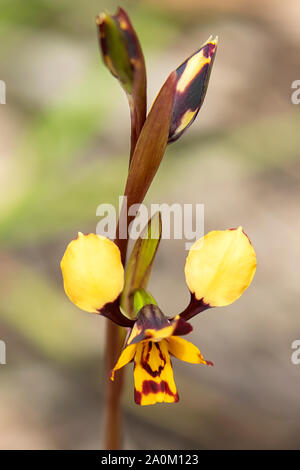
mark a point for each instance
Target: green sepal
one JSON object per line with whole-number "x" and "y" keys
{"x": 140, "y": 299}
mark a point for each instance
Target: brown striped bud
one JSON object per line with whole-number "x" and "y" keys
{"x": 192, "y": 81}
{"x": 120, "y": 48}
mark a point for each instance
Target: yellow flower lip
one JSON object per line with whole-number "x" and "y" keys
{"x": 152, "y": 340}
{"x": 220, "y": 266}
{"x": 92, "y": 271}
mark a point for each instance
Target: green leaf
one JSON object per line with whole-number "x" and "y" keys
{"x": 140, "y": 263}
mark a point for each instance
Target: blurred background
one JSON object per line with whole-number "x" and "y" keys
{"x": 63, "y": 151}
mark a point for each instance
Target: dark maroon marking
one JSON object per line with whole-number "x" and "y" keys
{"x": 208, "y": 50}
{"x": 149, "y": 386}
{"x": 209, "y": 363}
{"x": 151, "y": 317}
{"x": 193, "y": 96}
{"x": 149, "y": 350}
{"x": 181, "y": 68}
{"x": 145, "y": 365}
{"x": 102, "y": 38}
{"x": 189, "y": 100}
{"x": 169, "y": 392}
{"x": 137, "y": 397}
{"x": 182, "y": 328}
{"x": 132, "y": 47}
{"x": 131, "y": 39}
{"x": 112, "y": 311}
{"x": 160, "y": 352}
{"x": 195, "y": 306}
{"x": 127, "y": 35}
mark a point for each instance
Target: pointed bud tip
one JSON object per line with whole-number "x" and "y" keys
{"x": 100, "y": 19}
{"x": 213, "y": 40}
{"x": 209, "y": 47}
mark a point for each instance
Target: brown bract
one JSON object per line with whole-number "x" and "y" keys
{"x": 151, "y": 145}
{"x": 149, "y": 151}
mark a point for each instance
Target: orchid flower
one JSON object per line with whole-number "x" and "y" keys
{"x": 218, "y": 269}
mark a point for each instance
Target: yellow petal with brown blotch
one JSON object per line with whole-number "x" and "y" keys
{"x": 185, "y": 351}
{"x": 126, "y": 356}
{"x": 153, "y": 374}
{"x": 92, "y": 271}
{"x": 220, "y": 267}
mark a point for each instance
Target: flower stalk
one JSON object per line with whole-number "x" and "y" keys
{"x": 96, "y": 277}
{"x": 114, "y": 342}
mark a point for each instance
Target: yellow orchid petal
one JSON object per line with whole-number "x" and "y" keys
{"x": 93, "y": 272}
{"x": 158, "y": 335}
{"x": 126, "y": 356}
{"x": 153, "y": 374}
{"x": 185, "y": 351}
{"x": 220, "y": 266}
